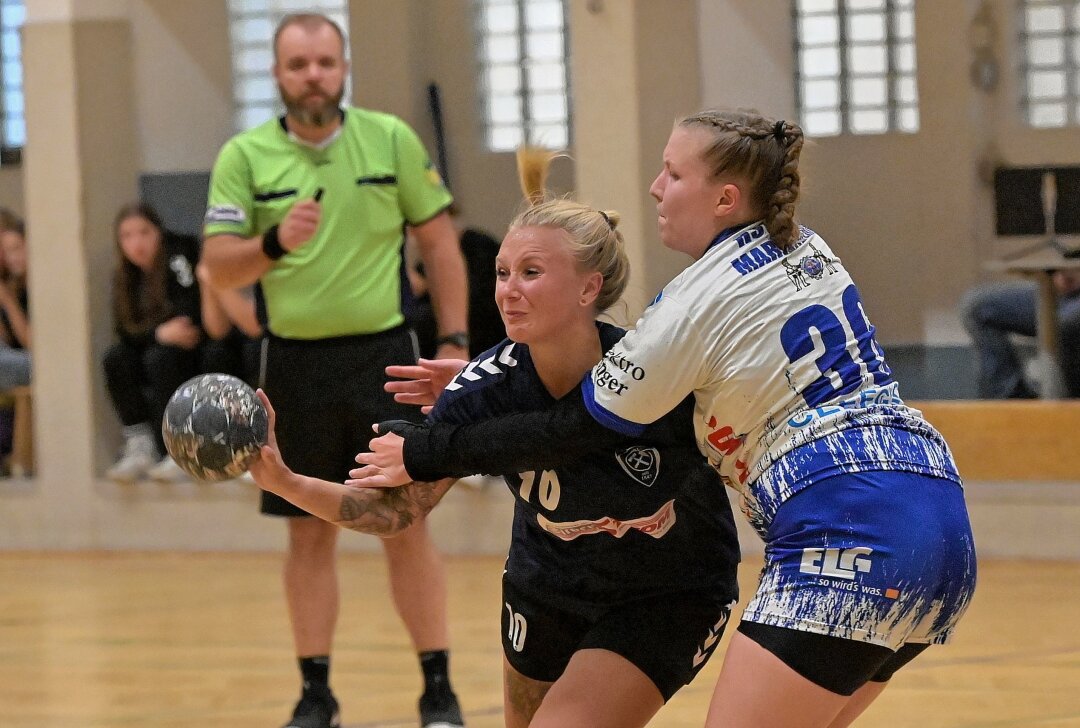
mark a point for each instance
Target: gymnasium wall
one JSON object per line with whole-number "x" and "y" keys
{"x": 901, "y": 210}
{"x": 11, "y": 188}
{"x": 119, "y": 90}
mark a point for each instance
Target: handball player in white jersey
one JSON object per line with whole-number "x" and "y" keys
{"x": 868, "y": 550}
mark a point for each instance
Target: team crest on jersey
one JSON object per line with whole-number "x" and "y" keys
{"x": 810, "y": 267}
{"x": 640, "y": 463}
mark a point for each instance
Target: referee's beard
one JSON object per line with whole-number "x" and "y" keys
{"x": 322, "y": 115}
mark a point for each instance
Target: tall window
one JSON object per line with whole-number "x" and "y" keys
{"x": 12, "y": 111}
{"x": 523, "y": 72}
{"x": 1050, "y": 61}
{"x": 856, "y": 66}
{"x": 251, "y": 31}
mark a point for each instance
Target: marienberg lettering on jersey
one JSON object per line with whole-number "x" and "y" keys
{"x": 757, "y": 257}
{"x": 604, "y": 375}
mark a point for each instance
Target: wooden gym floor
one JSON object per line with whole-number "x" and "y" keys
{"x": 171, "y": 640}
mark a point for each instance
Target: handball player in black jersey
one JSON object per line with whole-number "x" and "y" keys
{"x": 621, "y": 571}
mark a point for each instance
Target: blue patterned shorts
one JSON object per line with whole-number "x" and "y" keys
{"x": 884, "y": 557}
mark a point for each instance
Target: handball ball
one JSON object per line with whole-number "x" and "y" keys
{"x": 214, "y": 426}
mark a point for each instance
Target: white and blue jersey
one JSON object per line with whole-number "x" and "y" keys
{"x": 783, "y": 366}
{"x": 648, "y": 518}
{"x": 791, "y": 390}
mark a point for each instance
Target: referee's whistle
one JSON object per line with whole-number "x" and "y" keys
{"x": 318, "y": 194}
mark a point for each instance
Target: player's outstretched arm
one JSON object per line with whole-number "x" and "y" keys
{"x": 561, "y": 434}
{"x": 378, "y": 512}
{"x": 422, "y": 383}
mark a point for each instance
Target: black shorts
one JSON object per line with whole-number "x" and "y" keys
{"x": 837, "y": 664}
{"x": 669, "y": 637}
{"x": 327, "y": 393}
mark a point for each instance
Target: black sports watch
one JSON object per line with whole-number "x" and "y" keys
{"x": 457, "y": 338}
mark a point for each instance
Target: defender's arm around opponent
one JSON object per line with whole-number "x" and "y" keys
{"x": 868, "y": 549}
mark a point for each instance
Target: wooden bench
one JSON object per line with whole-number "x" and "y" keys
{"x": 20, "y": 463}
{"x": 1010, "y": 439}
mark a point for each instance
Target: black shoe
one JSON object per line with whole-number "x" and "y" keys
{"x": 440, "y": 710}
{"x": 316, "y": 709}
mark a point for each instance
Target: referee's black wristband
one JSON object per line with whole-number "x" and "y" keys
{"x": 271, "y": 246}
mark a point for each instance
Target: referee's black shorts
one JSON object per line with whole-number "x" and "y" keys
{"x": 327, "y": 393}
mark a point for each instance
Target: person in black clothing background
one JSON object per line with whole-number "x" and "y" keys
{"x": 15, "y": 339}
{"x": 234, "y": 329}
{"x": 157, "y": 312}
{"x": 485, "y": 326}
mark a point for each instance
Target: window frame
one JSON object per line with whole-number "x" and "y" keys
{"x": 11, "y": 154}
{"x": 1069, "y": 36}
{"x": 526, "y": 125}
{"x": 892, "y": 44}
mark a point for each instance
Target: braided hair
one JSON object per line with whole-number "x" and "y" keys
{"x": 764, "y": 152}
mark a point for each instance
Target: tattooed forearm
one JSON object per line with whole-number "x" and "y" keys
{"x": 388, "y": 511}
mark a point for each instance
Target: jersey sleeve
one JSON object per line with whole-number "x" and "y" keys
{"x": 546, "y": 438}
{"x": 422, "y": 192}
{"x": 462, "y": 409}
{"x": 230, "y": 202}
{"x": 649, "y": 371}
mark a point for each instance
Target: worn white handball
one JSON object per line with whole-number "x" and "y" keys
{"x": 214, "y": 427}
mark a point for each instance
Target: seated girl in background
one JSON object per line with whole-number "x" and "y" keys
{"x": 14, "y": 309}
{"x": 157, "y": 312}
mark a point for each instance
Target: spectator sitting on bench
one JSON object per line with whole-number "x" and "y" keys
{"x": 14, "y": 309}
{"x": 157, "y": 311}
{"x": 994, "y": 311}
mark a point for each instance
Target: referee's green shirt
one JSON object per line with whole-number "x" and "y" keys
{"x": 375, "y": 175}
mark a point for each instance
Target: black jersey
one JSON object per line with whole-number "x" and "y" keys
{"x": 646, "y": 518}
{"x": 181, "y": 254}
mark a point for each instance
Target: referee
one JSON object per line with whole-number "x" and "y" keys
{"x": 312, "y": 206}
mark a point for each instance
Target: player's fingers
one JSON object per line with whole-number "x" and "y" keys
{"x": 422, "y": 399}
{"x": 369, "y": 458}
{"x": 365, "y": 471}
{"x": 442, "y": 364}
{"x": 271, "y": 416}
{"x": 365, "y": 478}
{"x": 410, "y": 385}
{"x": 407, "y": 371}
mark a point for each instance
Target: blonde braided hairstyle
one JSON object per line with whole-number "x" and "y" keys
{"x": 764, "y": 152}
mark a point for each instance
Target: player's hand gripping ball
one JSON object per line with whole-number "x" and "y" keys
{"x": 214, "y": 426}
